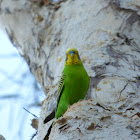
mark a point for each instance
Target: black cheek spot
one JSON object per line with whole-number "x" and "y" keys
{"x": 78, "y": 57}
{"x": 66, "y": 58}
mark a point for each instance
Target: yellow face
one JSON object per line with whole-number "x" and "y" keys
{"x": 72, "y": 57}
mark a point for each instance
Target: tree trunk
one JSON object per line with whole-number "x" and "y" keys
{"x": 107, "y": 35}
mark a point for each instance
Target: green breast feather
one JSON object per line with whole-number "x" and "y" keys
{"x": 73, "y": 87}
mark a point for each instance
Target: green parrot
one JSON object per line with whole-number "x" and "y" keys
{"x": 73, "y": 85}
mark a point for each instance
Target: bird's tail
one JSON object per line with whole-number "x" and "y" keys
{"x": 48, "y": 133}
{"x": 50, "y": 117}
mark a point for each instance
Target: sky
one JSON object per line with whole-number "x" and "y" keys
{"x": 18, "y": 90}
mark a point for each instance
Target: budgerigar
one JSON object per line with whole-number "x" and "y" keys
{"x": 73, "y": 85}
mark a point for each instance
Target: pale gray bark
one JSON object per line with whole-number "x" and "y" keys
{"x": 2, "y": 138}
{"x": 107, "y": 35}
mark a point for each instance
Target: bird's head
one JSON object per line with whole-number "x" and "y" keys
{"x": 72, "y": 57}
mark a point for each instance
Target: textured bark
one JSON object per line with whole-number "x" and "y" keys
{"x": 107, "y": 35}
{"x": 2, "y": 138}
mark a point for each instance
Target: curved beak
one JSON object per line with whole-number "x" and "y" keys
{"x": 72, "y": 53}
